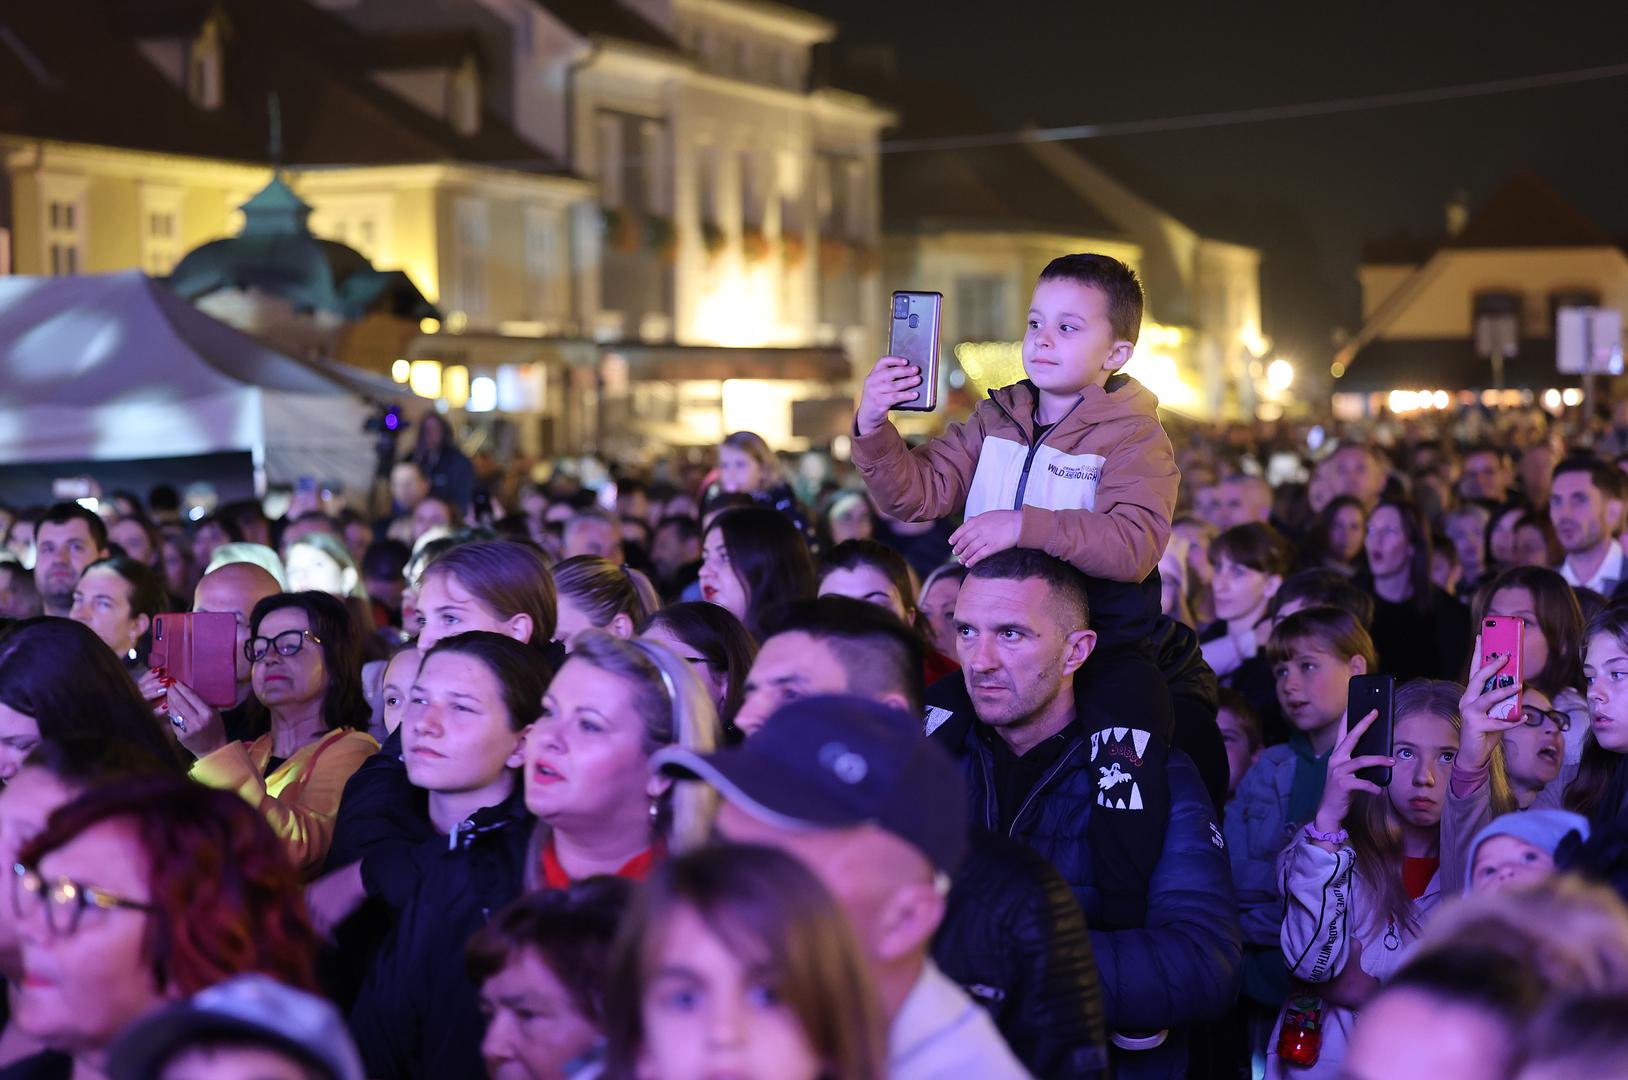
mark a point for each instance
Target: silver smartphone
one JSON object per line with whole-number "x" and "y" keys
{"x": 913, "y": 335}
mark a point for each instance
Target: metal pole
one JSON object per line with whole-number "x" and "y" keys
{"x": 1588, "y": 372}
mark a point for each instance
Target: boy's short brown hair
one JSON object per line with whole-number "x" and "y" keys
{"x": 1333, "y": 630}
{"x": 1117, "y": 281}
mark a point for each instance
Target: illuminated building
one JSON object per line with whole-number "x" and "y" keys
{"x": 1438, "y": 311}
{"x": 575, "y": 185}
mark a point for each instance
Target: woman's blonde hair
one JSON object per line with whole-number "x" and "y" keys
{"x": 675, "y": 709}
{"x": 771, "y": 913}
{"x": 603, "y": 590}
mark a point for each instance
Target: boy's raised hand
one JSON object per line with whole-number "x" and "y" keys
{"x": 982, "y": 536}
{"x": 891, "y": 382}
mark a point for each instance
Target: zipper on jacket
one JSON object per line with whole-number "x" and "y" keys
{"x": 1051, "y": 774}
{"x": 1034, "y": 444}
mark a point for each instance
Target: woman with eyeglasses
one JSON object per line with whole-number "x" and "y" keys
{"x": 307, "y": 672}
{"x": 137, "y": 894}
{"x": 53, "y": 775}
{"x": 717, "y": 648}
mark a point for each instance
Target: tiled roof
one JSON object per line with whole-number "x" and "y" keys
{"x": 75, "y": 72}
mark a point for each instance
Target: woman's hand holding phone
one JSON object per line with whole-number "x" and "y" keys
{"x": 892, "y": 381}
{"x": 198, "y": 725}
{"x": 1343, "y": 782}
{"x": 1481, "y": 729}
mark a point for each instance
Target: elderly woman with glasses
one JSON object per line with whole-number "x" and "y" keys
{"x": 134, "y": 895}
{"x": 307, "y": 673}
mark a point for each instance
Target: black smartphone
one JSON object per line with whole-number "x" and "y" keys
{"x": 1370, "y": 693}
{"x": 913, "y": 334}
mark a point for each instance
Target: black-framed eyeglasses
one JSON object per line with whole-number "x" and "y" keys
{"x": 1532, "y": 716}
{"x": 287, "y": 643}
{"x": 64, "y": 899}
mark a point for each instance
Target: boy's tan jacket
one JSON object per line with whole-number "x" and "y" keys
{"x": 1098, "y": 490}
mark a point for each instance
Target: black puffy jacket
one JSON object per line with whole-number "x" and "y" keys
{"x": 1195, "y": 699}
{"x": 418, "y": 1016}
{"x": 1015, "y": 940}
{"x": 1181, "y": 965}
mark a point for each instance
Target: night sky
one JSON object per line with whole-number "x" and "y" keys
{"x": 1310, "y": 191}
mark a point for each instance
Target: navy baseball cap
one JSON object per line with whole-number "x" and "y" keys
{"x": 837, "y": 762}
{"x": 250, "y": 1007}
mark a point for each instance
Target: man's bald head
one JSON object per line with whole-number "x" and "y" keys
{"x": 234, "y": 589}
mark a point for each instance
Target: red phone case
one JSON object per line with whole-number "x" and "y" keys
{"x": 200, "y": 650}
{"x": 1504, "y": 634}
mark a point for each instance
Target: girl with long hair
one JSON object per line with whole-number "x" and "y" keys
{"x": 1600, "y": 790}
{"x": 716, "y": 646}
{"x": 1335, "y": 537}
{"x": 747, "y": 466}
{"x": 1419, "y": 630}
{"x": 1361, "y": 876}
{"x": 58, "y": 680}
{"x": 746, "y": 939}
{"x": 613, "y": 704}
{"x": 752, "y": 561}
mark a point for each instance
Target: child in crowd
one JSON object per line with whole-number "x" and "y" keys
{"x": 1072, "y": 460}
{"x": 1518, "y": 848}
{"x": 1362, "y": 875}
{"x": 1240, "y": 734}
{"x": 1314, "y": 653}
{"x": 745, "y": 940}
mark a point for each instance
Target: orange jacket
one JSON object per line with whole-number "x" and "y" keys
{"x": 1097, "y": 491}
{"x": 300, "y": 799}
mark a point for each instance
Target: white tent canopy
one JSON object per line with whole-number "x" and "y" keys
{"x": 115, "y": 367}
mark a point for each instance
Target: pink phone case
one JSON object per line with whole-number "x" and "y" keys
{"x": 1504, "y": 634}
{"x": 198, "y": 649}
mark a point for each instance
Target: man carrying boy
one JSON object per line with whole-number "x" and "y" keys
{"x": 1071, "y": 461}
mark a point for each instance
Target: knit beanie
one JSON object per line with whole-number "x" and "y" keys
{"x": 1540, "y": 828}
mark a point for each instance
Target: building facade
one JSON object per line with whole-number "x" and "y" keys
{"x": 1469, "y": 316}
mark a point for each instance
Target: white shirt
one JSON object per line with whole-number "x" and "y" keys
{"x": 1605, "y": 580}
{"x": 941, "y": 1034}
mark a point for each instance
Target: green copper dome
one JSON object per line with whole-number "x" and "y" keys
{"x": 277, "y": 254}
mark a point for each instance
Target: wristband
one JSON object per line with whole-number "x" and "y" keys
{"x": 1339, "y": 837}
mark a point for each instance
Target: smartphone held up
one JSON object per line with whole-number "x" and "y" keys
{"x": 1366, "y": 694}
{"x": 913, "y": 336}
{"x": 1503, "y": 635}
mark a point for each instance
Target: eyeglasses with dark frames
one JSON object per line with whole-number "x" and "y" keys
{"x": 1532, "y": 716}
{"x": 287, "y": 643}
{"x": 64, "y": 899}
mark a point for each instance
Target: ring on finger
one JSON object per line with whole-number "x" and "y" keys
{"x": 178, "y": 721}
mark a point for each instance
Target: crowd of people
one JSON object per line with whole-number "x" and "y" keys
{"x": 1026, "y": 750}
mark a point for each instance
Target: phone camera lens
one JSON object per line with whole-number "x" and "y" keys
{"x": 901, "y": 306}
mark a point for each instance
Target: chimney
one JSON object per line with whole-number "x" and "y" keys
{"x": 1458, "y": 212}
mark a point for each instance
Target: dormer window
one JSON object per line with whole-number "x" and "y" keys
{"x": 204, "y": 63}
{"x": 463, "y": 104}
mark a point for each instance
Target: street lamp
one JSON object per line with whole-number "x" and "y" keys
{"x": 1279, "y": 375}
